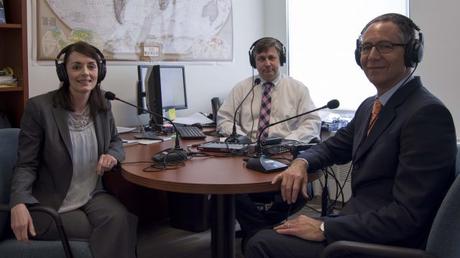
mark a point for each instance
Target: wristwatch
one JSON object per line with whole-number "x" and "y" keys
{"x": 321, "y": 227}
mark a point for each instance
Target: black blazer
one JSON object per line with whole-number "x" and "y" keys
{"x": 44, "y": 166}
{"x": 401, "y": 171}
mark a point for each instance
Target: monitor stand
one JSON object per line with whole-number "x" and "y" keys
{"x": 149, "y": 134}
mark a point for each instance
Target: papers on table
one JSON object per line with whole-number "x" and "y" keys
{"x": 196, "y": 118}
{"x": 122, "y": 129}
{"x": 139, "y": 141}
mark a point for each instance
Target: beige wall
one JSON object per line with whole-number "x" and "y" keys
{"x": 441, "y": 62}
{"x": 253, "y": 19}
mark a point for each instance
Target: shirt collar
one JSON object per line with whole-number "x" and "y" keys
{"x": 275, "y": 81}
{"x": 387, "y": 95}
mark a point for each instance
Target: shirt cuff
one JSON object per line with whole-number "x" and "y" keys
{"x": 306, "y": 162}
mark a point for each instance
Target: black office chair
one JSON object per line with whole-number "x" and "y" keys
{"x": 9, "y": 246}
{"x": 4, "y": 122}
{"x": 443, "y": 240}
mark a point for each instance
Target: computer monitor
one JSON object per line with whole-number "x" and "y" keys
{"x": 161, "y": 87}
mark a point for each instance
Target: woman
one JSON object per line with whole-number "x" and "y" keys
{"x": 68, "y": 140}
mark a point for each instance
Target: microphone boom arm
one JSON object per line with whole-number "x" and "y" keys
{"x": 233, "y": 137}
{"x": 261, "y": 163}
{"x": 111, "y": 96}
{"x": 259, "y": 143}
{"x": 287, "y": 119}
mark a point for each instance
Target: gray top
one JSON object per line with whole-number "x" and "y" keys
{"x": 84, "y": 161}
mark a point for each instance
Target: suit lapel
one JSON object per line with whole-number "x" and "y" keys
{"x": 362, "y": 120}
{"x": 386, "y": 117}
{"x": 60, "y": 116}
{"x": 99, "y": 122}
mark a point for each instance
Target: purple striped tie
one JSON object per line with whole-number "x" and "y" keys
{"x": 265, "y": 110}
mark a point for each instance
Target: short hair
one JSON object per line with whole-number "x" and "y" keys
{"x": 404, "y": 23}
{"x": 263, "y": 44}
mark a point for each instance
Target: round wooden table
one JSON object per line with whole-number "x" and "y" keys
{"x": 223, "y": 177}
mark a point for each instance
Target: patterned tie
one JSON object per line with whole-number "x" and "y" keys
{"x": 265, "y": 110}
{"x": 375, "y": 113}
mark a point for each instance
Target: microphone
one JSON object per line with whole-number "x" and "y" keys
{"x": 175, "y": 154}
{"x": 233, "y": 138}
{"x": 264, "y": 164}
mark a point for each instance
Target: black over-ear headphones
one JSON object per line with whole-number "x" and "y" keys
{"x": 252, "y": 55}
{"x": 413, "y": 51}
{"x": 62, "y": 72}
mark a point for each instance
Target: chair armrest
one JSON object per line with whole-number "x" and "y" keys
{"x": 351, "y": 247}
{"x": 57, "y": 220}
{"x": 4, "y": 208}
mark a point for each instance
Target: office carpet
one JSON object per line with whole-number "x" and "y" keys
{"x": 164, "y": 241}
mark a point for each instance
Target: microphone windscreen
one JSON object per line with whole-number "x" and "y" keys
{"x": 109, "y": 95}
{"x": 257, "y": 81}
{"x": 332, "y": 104}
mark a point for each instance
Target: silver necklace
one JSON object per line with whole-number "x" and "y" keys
{"x": 80, "y": 120}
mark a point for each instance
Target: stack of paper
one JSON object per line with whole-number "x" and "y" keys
{"x": 122, "y": 129}
{"x": 196, "y": 118}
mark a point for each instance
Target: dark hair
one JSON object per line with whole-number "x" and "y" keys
{"x": 62, "y": 98}
{"x": 263, "y": 44}
{"x": 404, "y": 23}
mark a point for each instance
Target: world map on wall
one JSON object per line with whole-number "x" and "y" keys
{"x": 148, "y": 30}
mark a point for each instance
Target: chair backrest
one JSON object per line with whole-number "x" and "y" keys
{"x": 215, "y": 105}
{"x": 4, "y": 122}
{"x": 8, "y": 153}
{"x": 457, "y": 165}
{"x": 11, "y": 247}
{"x": 444, "y": 237}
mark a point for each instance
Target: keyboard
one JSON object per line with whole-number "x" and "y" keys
{"x": 190, "y": 132}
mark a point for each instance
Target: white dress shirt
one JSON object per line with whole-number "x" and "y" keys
{"x": 289, "y": 98}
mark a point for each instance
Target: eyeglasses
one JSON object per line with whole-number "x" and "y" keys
{"x": 384, "y": 47}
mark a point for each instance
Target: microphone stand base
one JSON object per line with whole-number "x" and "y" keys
{"x": 265, "y": 165}
{"x": 233, "y": 138}
{"x": 170, "y": 156}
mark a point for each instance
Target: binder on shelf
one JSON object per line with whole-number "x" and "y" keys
{"x": 7, "y": 77}
{"x": 2, "y": 13}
